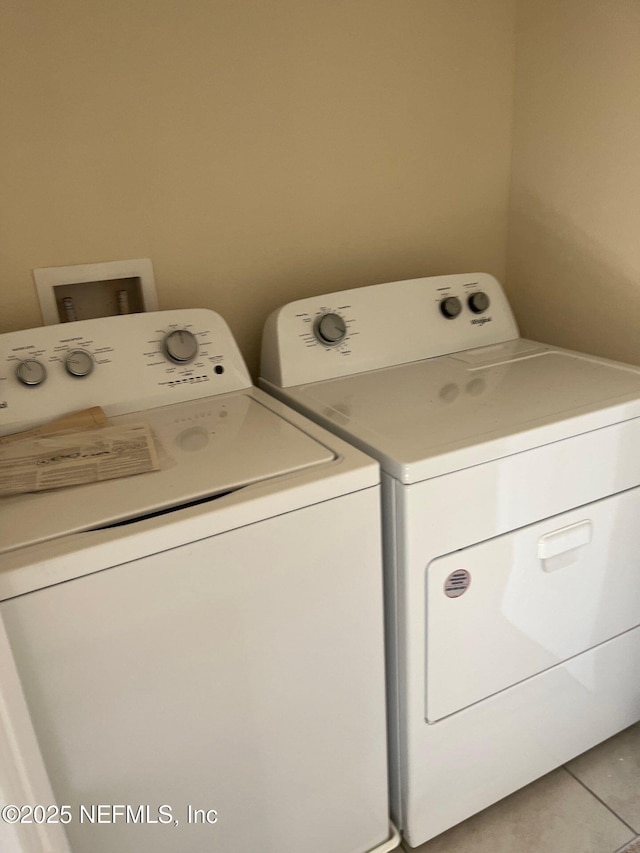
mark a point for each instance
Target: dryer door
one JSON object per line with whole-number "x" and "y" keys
{"x": 503, "y": 610}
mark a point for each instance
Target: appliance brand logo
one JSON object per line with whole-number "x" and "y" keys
{"x": 480, "y": 321}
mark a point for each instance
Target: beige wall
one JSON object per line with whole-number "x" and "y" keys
{"x": 256, "y": 150}
{"x": 574, "y": 246}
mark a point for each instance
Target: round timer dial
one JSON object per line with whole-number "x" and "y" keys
{"x": 31, "y": 372}
{"x": 330, "y": 329}
{"x": 180, "y": 346}
{"x": 79, "y": 362}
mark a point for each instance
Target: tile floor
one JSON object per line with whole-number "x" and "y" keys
{"x": 590, "y": 805}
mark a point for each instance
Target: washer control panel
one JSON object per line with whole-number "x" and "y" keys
{"x": 367, "y": 328}
{"x": 124, "y": 364}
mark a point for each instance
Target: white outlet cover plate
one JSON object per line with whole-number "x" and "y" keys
{"x": 48, "y": 278}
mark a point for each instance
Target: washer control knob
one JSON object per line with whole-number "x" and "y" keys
{"x": 79, "y": 362}
{"x": 31, "y": 372}
{"x": 180, "y": 346}
{"x": 451, "y": 307}
{"x": 330, "y": 329}
{"x": 478, "y": 302}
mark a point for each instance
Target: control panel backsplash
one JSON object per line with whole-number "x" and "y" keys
{"x": 123, "y": 364}
{"x": 382, "y": 325}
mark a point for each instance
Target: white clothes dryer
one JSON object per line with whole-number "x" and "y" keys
{"x": 510, "y": 505}
{"x": 199, "y": 647}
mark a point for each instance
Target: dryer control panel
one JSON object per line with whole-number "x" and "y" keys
{"x": 124, "y": 364}
{"x": 382, "y": 325}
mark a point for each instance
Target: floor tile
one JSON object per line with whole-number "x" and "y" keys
{"x": 633, "y": 847}
{"x": 555, "y": 813}
{"x": 612, "y": 771}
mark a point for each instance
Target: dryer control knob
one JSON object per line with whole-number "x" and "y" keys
{"x": 451, "y": 307}
{"x": 31, "y": 372}
{"x": 180, "y": 346}
{"x": 330, "y": 329}
{"x": 79, "y": 362}
{"x": 478, "y": 302}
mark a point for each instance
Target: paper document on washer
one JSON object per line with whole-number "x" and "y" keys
{"x": 73, "y": 422}
{"x": 73, "y": 459}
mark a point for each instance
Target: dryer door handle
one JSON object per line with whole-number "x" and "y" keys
{"x": 565, "y": 539}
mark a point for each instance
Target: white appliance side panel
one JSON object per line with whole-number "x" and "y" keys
{"x": 507, "y": 608}
{"x": 24, "y": 783}
{"x": 242, "y": 673}
{"x": 393, "y": 638}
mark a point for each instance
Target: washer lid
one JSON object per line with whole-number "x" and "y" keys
{"x": 439, "y": 415}
{"x": 207, "y": 448}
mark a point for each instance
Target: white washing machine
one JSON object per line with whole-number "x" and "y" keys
{"x": 510, "y": 518}
{"x": 199, "y": 647}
